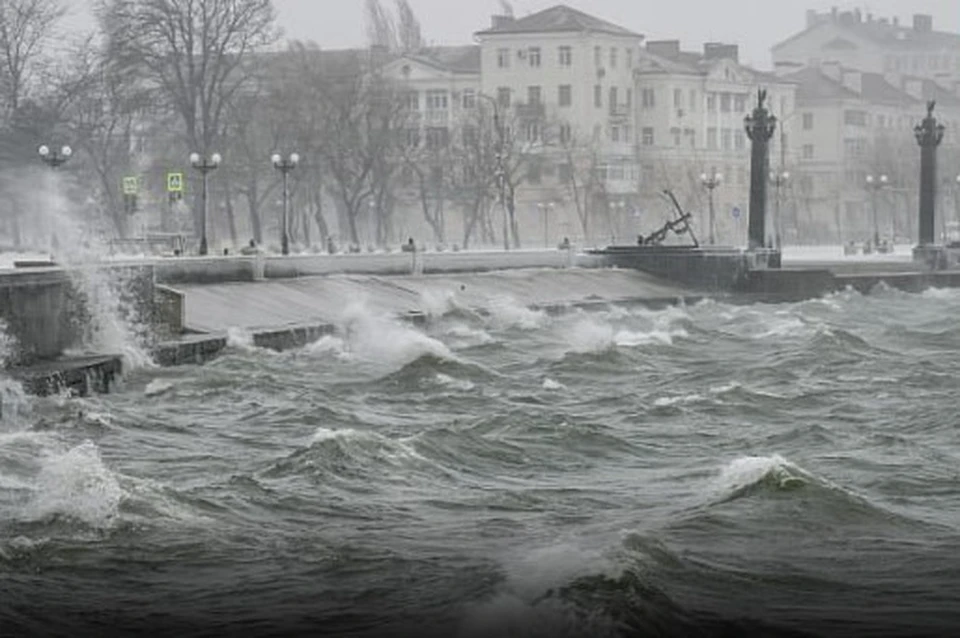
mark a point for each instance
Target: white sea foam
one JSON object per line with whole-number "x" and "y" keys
{"x": 553, "y": 386}
{"x": 522, "y": 609}
{"x": 386, "y": 341}
{"x": 667, "y": 402}
{"x": 507, "y": 312}
{"x": 240, "y": 339}
{"x": 158, "y": 387}
{"x": 78, "y": 486}
{"x": 745, "y": 472}
{"x": 455, "y": 384}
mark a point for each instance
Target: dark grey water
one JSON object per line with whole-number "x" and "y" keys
{"x": 706, "y": 470}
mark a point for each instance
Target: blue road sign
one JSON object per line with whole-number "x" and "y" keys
{"x": 735, "y": 212}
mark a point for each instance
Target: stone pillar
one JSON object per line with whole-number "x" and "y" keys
{"x": 760, "y": 126}
{"x": 929, "y": 135}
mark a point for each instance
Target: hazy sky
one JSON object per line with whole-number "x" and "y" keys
{"x": 753, "y": 24}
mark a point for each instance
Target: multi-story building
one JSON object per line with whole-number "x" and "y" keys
{"x": 691, "y": 110}
{"x": 568, "y": 75}
{"x": 873, "y": 45}
{"x": 863, "y": 84}
{"x": 856, "y": 128}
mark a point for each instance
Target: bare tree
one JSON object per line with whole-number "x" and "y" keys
{"x": 193, "y": 51}
{"x": 381, "y": 29}
{"x": 25, "y": 26}
{"x": 582, "y": 177}
{"x": 409, "y": 33}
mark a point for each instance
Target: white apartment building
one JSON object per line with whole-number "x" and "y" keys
{"x": 576, "y": 71}
{"x": 691, "y": 110}
{"x": 872, "y": 44}
{"x": 857, "y": 124}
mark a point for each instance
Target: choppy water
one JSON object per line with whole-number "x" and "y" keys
{"x": 706, "y": 470}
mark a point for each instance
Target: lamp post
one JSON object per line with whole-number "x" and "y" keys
{"x": 711, "y": 182}
{"x": 545, "y": 209}
{"x": 55, "y": 158}
{"x": 204, "y": 165}
{"x": 285, "y": 165}
{"x": 874, "y": 184}
{"x": 616, "y": 210}
{"x": 779, "y": 180}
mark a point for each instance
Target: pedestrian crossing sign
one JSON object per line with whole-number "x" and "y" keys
{"x": 131, "y": 185}
{"x": 174, "y": 182}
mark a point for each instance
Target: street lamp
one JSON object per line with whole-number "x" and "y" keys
{"x": 545, "y": 209}
{"x": 499, "y": 173}
{"x": 54, "y": 158}
{"x": 204, "y": 165}
{"x": 285, "y": 165}
{"x": 779, "y": 180}
{"x": 874, "y": 184}
{"x": 711, "y": 182}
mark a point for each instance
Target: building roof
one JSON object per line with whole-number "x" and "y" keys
{"x": 557, "y": 19}
{"x": 815, "y": 85}
{"x": 456, "y": 59}
{"x": 881, "y": 32}
{"x": 692, "y": 63}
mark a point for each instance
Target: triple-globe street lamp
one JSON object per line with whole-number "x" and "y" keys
{"x": 874, "y": 185}
{"x": 204, "y": 165}
{"x": 55, "y": 157}
{"x": 711, "y": 182}
{"x": 545, "y": 209}
{"x": 285, "y": 165}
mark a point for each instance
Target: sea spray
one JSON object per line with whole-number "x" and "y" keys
{"x": 104, "y": 312}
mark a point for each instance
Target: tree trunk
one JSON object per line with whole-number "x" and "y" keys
{"x": 253, "y": 210}
{"x": 231, "y": 214}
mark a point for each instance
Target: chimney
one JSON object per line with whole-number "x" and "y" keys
{"x": 853, "y": 80}
{"x": 720, "y": 51}
{"x": 833, "y": 13}
{"x": 664, "y": 48}
{"x": 896, "y": 21}
{"x": 812, "y": 18}
{"x": 501, "y": 21}
{"x": 857, "y": 15}
{"x": 831, "y": 69}
{"x": 922, "y": 23}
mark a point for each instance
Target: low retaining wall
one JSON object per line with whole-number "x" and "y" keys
{"x": 32, "y": 307}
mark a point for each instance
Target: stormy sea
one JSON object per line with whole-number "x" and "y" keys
{"x": 714, "y": 469}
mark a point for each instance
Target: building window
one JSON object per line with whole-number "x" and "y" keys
{"x": 533, "y": 95}
{"x": 412, "y": 136}
{"x": 613, "y": 57}
{"x": 712, "y": 138}
{"x": 597, "y": 56}
{"x": 437, "y": 100}
{"x": 726, "y": 139}
{"x": 503, "y": 96}
{"x": 855, "y": 118}
{"x": 566, "y": 134}
{"x": 437, "y": 137}
{"x": 649, "y": 99}
{"x": 807, "y": 121}
{"x": 503, "y": 58}
{"x": 565, "y": 95}
{"x": 854, "y": 147}
{"x": 614, "y": 101}
{"x": 532, "y": 131}
{"x": 678, "y": 99}
{"x": 629, "y": 101}
{"x": 691, "y": 135}
{"x": 566, "y": 56}
{"x": 614, "y": 133}
{"x": 411, "y": 101}
{"x": 712, "y": 102}
{"x": 534, "y": 55}
{"x": 598, "y": 96}
{"x": 565, "y": 173}
{"x": 469, "y": 99}
{"x": 534, "y": 173}
{"x": 629, "y": 58}
{"x": 677, "y": 137}
{"x": 808, "y": 151}
{"x": 739, "y": 140}
{"x": 740, "y": 103}
{"x": 725, "y": 102}
{"x": 647, "y": 137}
{"x": 693, "y": 100}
